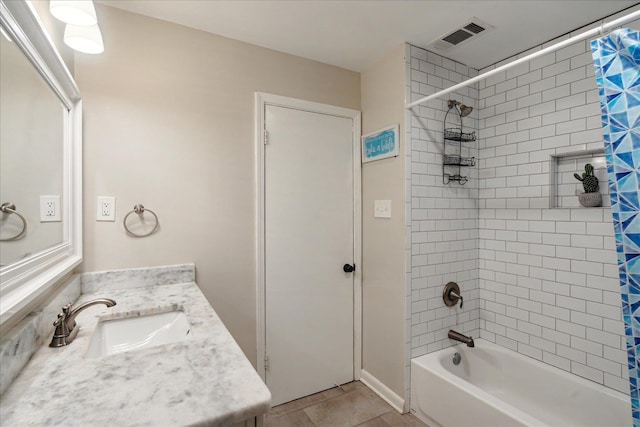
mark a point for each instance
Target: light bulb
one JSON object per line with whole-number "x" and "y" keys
{"x": 84, "y": 39}
{"x": 74, "y": 12}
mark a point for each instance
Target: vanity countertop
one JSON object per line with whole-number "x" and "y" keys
{"x": 203, "y": 380}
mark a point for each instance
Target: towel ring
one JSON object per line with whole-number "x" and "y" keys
{"x": 139, "y": 209}
{"x": 10, "y": 208}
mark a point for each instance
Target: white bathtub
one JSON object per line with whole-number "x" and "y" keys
{"x": 496, "y": 387}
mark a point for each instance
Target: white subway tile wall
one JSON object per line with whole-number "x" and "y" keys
{"x": 443, "y": 218}
{"x": 548, "y": 280}
{"x": 540, "y": 281}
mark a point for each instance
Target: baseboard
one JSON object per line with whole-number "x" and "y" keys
{"x": 382, "y": 390}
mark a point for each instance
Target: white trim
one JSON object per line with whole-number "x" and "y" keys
{"x": 260, "y": 218}
{"x": 585, "y": 35}
{"x": 23, "y": 282}
{"x": 357, "y": 245}
{"x": 383, "y": 391}
{"x": 263, "y": 99}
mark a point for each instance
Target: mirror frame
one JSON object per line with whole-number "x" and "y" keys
{"x": 24, "y": 283}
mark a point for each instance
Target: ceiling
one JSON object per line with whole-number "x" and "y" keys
{"x": 355, "y": 34}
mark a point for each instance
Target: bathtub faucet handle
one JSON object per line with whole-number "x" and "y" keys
{"x": 456, "y": 295}
{"x": 451, "y": 294}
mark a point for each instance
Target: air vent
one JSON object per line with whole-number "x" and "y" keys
{"x": 471, "y": 29}
{"x": 474, "y": 28}
{"x": 457, "y": 37}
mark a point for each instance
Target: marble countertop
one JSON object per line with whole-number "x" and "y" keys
{"x": 202, "y": 380}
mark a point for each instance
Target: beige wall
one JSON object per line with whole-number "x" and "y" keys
{"x": 383, "y": 88}
{"x": 169, "y": 123}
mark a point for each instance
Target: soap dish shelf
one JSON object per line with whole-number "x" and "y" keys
{"x": 456, "y": 134}
{"x": 447, "y": 178}
{"x": 456, "y": 160}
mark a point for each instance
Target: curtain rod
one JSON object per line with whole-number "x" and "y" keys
{"x": 559, "y": 45}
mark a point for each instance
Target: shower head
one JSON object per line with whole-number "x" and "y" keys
{"x": 464, "y": 110}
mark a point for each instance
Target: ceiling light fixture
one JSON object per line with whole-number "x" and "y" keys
{"x": 74, "y": 12}
{"x": 84, "y": 39}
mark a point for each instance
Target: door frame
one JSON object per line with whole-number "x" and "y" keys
{"x": 261, "y": 101}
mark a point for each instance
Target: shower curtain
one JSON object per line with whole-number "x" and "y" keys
{"x": 616, "y": 58}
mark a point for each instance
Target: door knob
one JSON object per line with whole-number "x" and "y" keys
{"x": 348, "y": 268}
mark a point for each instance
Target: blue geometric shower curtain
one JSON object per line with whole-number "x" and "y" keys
{"x": 617, "y": 63}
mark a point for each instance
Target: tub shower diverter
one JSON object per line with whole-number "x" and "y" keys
{"x": 134, "y": 333}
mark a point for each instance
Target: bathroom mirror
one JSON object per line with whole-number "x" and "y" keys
{"x": 31, "y": 137}
{"x": 40, "y": 155}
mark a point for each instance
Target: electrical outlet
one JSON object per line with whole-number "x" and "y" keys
{"x": 106, "y": 209}
{"x": 50, "y": 209}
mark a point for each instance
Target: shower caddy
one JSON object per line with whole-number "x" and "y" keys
{"x": 452, "y": 161}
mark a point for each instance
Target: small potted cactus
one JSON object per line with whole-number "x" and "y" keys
{"x": 591, "y": 197}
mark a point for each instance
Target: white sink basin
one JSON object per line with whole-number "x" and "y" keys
{"x": 135, "y": 333}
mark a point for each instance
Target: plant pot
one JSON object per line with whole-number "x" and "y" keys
{"x": 590, "y": 200}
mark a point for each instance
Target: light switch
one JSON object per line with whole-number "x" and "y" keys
{"x": 382, "y": 209}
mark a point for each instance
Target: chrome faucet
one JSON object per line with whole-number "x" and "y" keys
{"x": 65, "y": 324}
{"x": 462, "y": 338}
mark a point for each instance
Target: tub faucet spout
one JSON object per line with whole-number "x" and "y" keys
{"x": 462, "y": 338}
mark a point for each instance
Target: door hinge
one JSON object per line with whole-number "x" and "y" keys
{"x": 266, "y": 362}
{"x": 266, "y": 140}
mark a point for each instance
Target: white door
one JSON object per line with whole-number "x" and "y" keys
{"x": 309, "y": 236}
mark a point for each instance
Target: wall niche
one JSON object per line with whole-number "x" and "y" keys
{"x": 564, "y": 187}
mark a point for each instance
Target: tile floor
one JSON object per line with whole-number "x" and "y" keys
{"x": 355, "y": 406}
